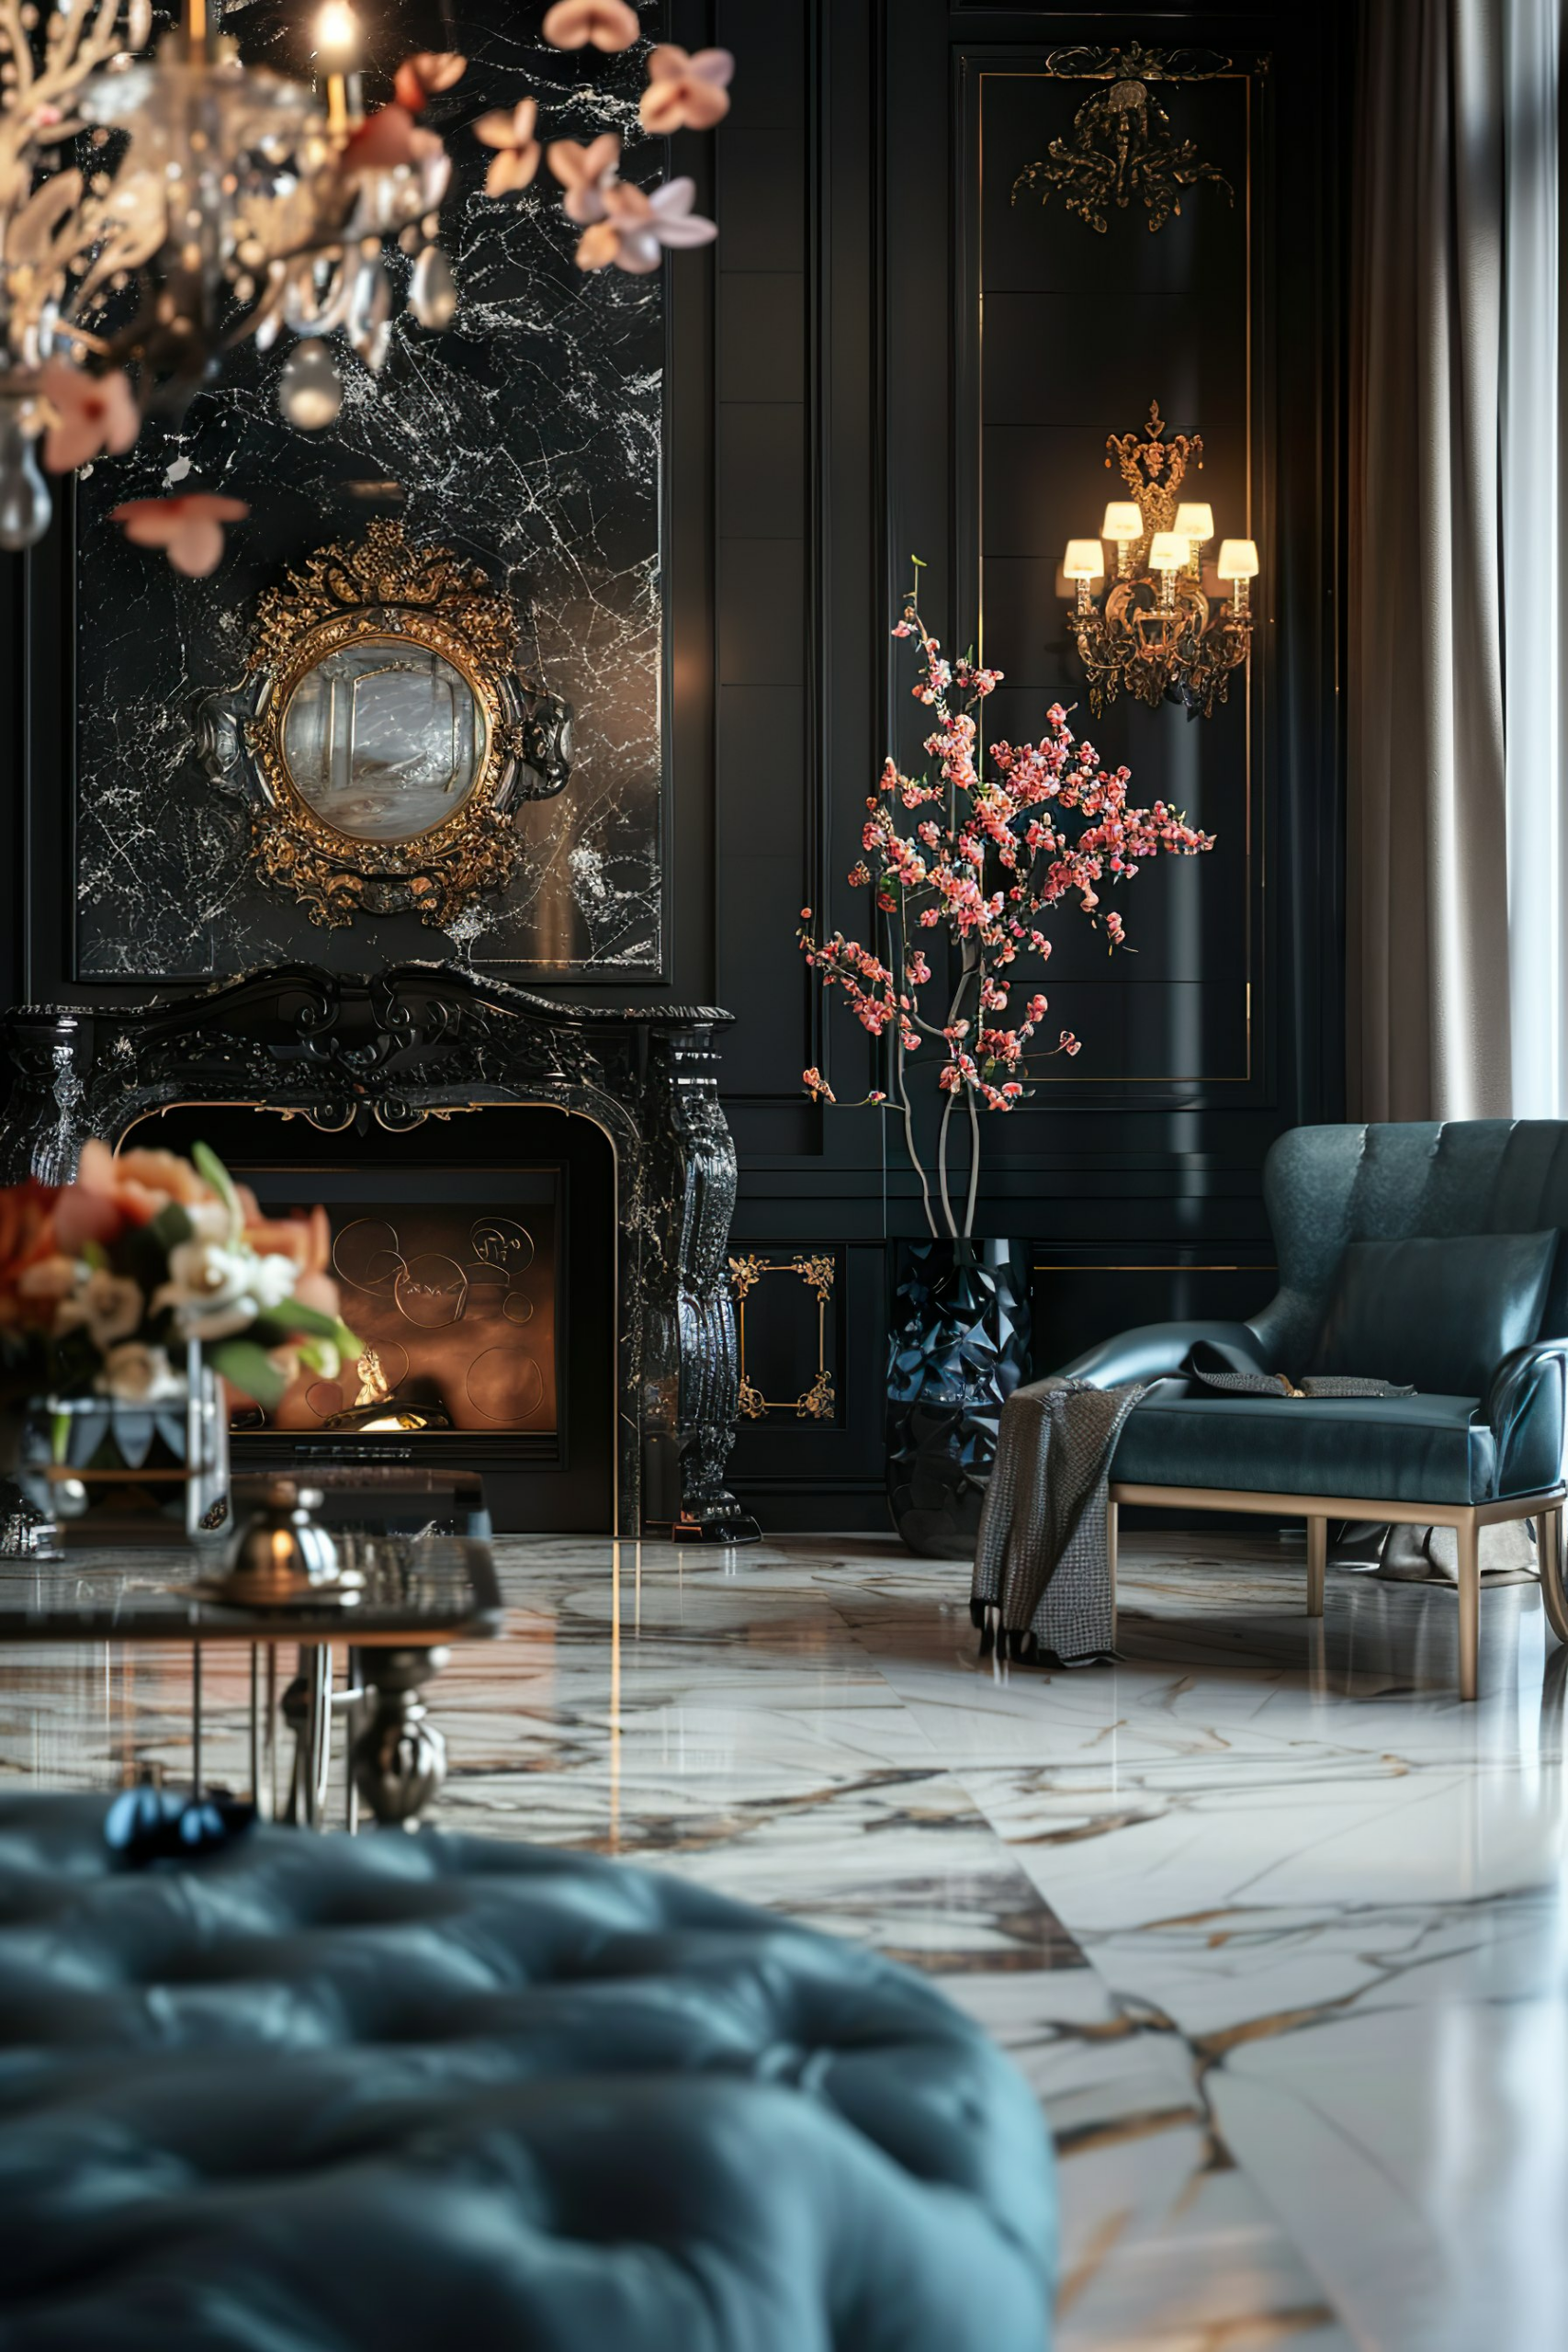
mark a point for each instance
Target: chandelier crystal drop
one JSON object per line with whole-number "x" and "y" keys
{"x": 1156, "y": 635}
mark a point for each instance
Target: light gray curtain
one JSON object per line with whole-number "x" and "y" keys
{"x": 1454, "y": 739}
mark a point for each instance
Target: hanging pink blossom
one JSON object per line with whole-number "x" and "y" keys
{"x": 637, "y": 227}
{"x": 586, "y": 173}
{"x": 609, "y": 24}
{"x": 190, "y": 529}
{"x": 686, "y": 93}
{"x": 423, "y": 76}
{"x": 386, "y": 138}
{"x": 516, "y": 159}
{"x": 88, "y": 414}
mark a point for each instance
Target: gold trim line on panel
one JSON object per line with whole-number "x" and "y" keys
{"x": 818, "y": 1272}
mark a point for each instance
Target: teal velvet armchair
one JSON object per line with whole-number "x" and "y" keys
{"x": 1427, "y": 1255}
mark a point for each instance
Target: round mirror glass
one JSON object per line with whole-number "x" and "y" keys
{"x": 383, "y": 739}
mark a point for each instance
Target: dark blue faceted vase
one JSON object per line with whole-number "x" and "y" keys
{"x": 957, "y": 1348}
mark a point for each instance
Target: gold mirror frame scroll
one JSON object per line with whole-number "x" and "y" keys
{"x": 383, "y": 587}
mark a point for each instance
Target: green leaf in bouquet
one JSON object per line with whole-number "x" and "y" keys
{"x": 206, "y": 1162}
{"x": 250, "y": 1369}
{"x": 171, "y": 1227}
{"x": 294, "y": 1320}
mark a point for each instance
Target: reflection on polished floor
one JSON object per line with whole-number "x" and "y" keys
{"x": 1274, "y": 1922}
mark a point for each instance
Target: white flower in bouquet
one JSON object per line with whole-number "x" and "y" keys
{"x": 135, "y": 1373}
{"x": 216, "y": 1289}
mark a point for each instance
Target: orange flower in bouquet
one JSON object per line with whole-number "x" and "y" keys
{"x": 106, "y": 1283}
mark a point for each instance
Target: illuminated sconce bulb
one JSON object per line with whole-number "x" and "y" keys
{"x": 1085, "y": 559}
{"x": 1194, "y": 520}
{"x": 1123, "y": 521}
{"x": 1238, "y": 560}
{"x": 1168, "y": 553}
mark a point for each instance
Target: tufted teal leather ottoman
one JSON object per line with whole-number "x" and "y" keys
{"x": 443, "y": 2092}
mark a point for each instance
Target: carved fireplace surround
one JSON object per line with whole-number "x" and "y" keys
{"x": 422, "y": 1039}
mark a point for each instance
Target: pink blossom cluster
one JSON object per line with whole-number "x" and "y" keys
{"x": 991, "y": 852}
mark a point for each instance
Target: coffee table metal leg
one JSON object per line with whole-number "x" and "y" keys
{"x": 398, "y": 1758}
{"x": 258, "y": 1796}
{"x": 350, "y": 1731}
{"x": 319, "y": 1738}
{"x": 270, "y": 1738}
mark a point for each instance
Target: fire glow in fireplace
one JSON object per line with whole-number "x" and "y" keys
{"x": 453, "y": 1303}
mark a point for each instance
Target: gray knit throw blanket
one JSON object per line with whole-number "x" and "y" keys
{"x": 1042, "y": 1583}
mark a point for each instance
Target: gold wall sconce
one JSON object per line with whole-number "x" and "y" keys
{"x": 1156, "y": 634}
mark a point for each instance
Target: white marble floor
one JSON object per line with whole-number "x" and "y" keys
{"x": 1276, "y": 1925}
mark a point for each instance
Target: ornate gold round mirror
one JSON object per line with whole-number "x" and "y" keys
{"x": 385, "y": 735}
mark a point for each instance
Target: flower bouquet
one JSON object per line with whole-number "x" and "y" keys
{"x": 129, "y": 1300}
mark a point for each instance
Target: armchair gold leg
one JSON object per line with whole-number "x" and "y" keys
{"x": 1112, "y": 1532}
{"x": 1468, "y": 1536}
{"x": 1549, "y": 1559}
{"x": 1318, "y": 1563}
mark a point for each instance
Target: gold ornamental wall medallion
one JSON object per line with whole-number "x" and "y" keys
{"x": 383, "y": 734}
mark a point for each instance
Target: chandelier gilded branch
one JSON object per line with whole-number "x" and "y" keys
{"x": 1156, "y": 635}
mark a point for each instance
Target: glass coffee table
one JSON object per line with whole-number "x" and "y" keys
{"x": 423, "y": 1577}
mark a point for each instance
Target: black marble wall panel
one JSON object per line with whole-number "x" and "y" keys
{"x": 528, "y": 436}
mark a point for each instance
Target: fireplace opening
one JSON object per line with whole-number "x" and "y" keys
{"x": 475, "y": 1258}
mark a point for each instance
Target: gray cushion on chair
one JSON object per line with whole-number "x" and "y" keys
{"x": 1439, "y": 1315}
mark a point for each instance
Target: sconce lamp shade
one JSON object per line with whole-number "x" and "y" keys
{"x": 1168, "y": 553}
{"x": 1238, "y": 560}
{"x": 1194, "y": 520}
{"x": 1084, "y": 560}
{"x": 1123, "y": 520}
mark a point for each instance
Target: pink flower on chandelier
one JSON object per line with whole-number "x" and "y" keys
{"x": 686, "y": 93}
{"x": 423, "y": 76}
{"x": 610, "y": 25}
{"x": 190, "y": 529}
{"x": 637, "y": 227}
{"x": 89, "y": 415}
{"x": 386, "y": 139}
{"x": 512, "y": 134}
{"x": 585, "y": 173}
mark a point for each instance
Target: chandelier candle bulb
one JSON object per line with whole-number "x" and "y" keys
{"x": 1168, "y": 553}
{"x": 1084, "y": 561}
{"x": 1239, "y": 564}
{"x": 337, "y": 56}
{"x": 1123, "y": 524}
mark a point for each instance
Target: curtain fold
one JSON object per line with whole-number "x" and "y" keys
{"x": 1456, "y": 965}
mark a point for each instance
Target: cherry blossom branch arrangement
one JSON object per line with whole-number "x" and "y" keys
{"x": 90, "y": 414}
{"x": 988, "y": 856}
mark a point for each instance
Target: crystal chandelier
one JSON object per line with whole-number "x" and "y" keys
{"x": 157, "y": 210}
{"x": 237, "y": 204}
{"x": 1156, "y": 634}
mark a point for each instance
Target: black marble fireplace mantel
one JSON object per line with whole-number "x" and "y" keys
{"x": 414, "y": 1042}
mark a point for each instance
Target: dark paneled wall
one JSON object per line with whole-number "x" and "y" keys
{"x": 827, "y": 408}
{"x": 877, "y": 423}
